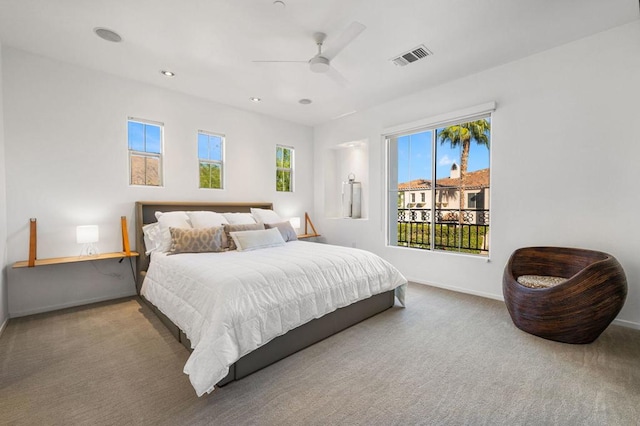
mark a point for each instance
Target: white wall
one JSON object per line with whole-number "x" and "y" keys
{"x": 4, "y": 308}
{"x": 564, "y": 162}
{"x": 66, "y": 163}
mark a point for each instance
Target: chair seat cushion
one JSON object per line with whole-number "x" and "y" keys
{"x": 540, "y": 281}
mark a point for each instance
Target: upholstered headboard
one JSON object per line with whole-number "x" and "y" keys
{"x": 145, "y": 214}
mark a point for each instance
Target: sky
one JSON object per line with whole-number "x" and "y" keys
{"x": 209, "y": 147}
{"x": 414, "y": 151}
{"x": 144, "y": 137}
{"x": 414, "y": 157}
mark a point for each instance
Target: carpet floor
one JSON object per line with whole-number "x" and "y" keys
{"x": 446, "y": 359}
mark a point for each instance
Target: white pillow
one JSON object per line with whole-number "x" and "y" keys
{"x": 170, "y": 220}
{"x": 266, "y": 216}
{"x": 254, "y": 240}
{"x": 205, "y": 219}
{"x": 152, "y": 237}
{"x": 239, "y": 218}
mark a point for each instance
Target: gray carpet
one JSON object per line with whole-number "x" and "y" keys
{"x": 447, "y": 358}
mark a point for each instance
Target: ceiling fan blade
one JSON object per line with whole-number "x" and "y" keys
{"x": 305, "y": 62}
{"x": 337, "y": 77}
{"x": 347, "y": 36}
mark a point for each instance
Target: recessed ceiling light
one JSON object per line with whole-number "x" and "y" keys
{"x": 168, "y": 73}
{"x": 279, "y": 4}
{"x": 254, "y": 99}
{"x": 107, "y": 34}
{"x": 305, "y": 101}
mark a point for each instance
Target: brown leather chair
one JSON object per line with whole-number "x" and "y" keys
{"x": 575, "y": 311}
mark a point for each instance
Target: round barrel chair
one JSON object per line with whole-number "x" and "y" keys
{"x": 564, "y": 294}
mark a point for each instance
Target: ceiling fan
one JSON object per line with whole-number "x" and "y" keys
{"x": 321, "y": 62}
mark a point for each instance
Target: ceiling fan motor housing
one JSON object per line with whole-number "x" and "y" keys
{"x": 319, "y": 64}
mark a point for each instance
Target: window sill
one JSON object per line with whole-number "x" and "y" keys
{"x": 481, "y": 257}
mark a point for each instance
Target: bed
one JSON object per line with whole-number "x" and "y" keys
{"x": 239, "y": 312}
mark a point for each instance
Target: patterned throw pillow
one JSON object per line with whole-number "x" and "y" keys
{"x": 200, "y": 240}
{"x": 285, "y": 228}
{"x": 228, "y": 229}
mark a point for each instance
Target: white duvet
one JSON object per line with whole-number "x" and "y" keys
{"x": 231, "y": 303}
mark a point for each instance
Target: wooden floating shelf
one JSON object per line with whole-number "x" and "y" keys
{"x": 74, "y": 259}
{"x": 33, "y": 244}
{"x": 303, "y": 236}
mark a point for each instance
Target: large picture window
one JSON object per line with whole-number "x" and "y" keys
{"x": 210, "y": 160}
{"x": 448, "y": 164}
{"x": 284, "y": 168}
{"x": 145, "y": 152}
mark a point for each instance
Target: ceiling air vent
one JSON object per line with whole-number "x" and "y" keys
{"x": 412, "y": 55}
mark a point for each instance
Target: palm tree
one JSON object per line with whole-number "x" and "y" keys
{"x": 463, "y": 134}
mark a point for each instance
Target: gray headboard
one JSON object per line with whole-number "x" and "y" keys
{"x": 145, "y": 214}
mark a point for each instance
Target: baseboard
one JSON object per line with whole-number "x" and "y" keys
{"x": 628, "y": 324}
{"x": 459, "y": 289}
{"x": 70, "y": 304}
{"x": 620, "y": 322}
{"x": 4, "y": 325}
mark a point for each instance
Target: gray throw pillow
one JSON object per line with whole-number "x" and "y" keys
{"x": 228, "y": 229}
{"x": 197, "y": 240}
{"x": 285, "y": 228}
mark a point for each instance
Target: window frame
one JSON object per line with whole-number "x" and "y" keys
{"x": 391, "y": 196}
{"x": 471, "y": 199}
{"x": 160, "y": 156}
{"x": 220, "y": 162}
{"x": 291, "y": 169}
{"x": 477, "y": 198}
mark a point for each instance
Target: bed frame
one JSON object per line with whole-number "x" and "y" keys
{"x": 280, "y": 347}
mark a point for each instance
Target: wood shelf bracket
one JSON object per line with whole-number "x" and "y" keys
{"x": 33, "y": 242}
{"x": 307, "y": 223}
{"x": 126, "y": 248}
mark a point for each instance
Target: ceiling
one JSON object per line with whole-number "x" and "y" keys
{"x": 210, "y": 44}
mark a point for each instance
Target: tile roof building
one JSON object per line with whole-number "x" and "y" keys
{"x": 416, "y": 194}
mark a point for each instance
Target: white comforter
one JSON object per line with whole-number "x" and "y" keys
{"x": 231, "y": 303}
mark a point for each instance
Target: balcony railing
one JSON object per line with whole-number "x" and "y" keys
{"x": 455, "y": 230}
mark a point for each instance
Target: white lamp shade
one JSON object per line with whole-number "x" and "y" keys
{"x": 295, "y": 222}
{"x": 87, "y": 234}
